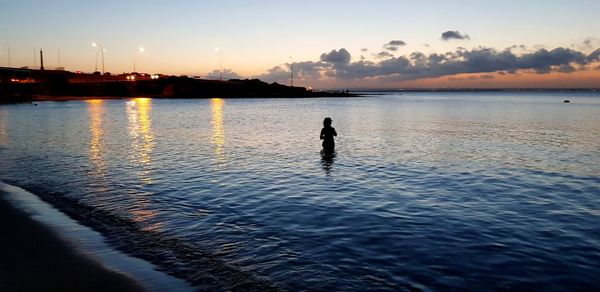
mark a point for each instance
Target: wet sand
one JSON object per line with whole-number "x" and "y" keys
{"x": 33, "y": 258}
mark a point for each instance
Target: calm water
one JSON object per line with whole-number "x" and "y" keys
{"x": 427, "y": 190}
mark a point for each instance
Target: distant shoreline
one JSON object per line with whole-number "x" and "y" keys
{"x": 26, "y": 85}
{"x": 73, "y": 98}
{"x": 29, "y": 85}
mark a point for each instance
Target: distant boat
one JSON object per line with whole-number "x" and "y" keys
{"x": 566, "y": 101}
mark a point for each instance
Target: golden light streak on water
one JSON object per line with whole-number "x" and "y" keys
{"x": 96, "y": 112}
{"x": 141, "y": 135}
{"x": 218, "y": 133}
{"x": 4, "y": 140}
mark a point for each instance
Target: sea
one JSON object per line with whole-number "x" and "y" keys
{"x": 425, "y": 190}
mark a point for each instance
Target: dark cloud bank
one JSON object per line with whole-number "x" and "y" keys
{"x": 338, "y": 64}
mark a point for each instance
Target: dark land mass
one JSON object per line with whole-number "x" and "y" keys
{"x": 33, "y": 258}
{"x": 24, "y": 85}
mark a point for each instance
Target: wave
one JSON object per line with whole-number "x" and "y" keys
{"x": 171, "y": 255}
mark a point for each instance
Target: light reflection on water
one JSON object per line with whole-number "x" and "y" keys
{"x": 96, "y": 111}
{"x": 141, "y": 135}
{"x": 3, "y": 127}
{"x": 218, "y": 132}
{"x": 141, "y": 138}
{"x": 425, "y": 190}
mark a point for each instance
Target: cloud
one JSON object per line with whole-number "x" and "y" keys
{"x": 566, "y": 69}
{"x": 275, "y": 74}
{"x": 393, "y": 45}
{"x": 397, "y": 43}
{"x": 307, "y": 70}
{"x": 227, "y": 74}
{"x": 590, "y": 43}
{"x": 419, "y": 65}
{"x": 383, "y": 55}
{"x": 454, "y": 34}
{"x": 594, "y": 56}
{"x": 336, "y": 57}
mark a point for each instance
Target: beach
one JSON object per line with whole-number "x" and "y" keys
{"x": 33, "y": 258}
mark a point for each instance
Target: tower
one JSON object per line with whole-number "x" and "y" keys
{"x": 41, "y": 60}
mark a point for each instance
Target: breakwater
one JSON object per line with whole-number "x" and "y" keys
{"x": 22, "y": 85}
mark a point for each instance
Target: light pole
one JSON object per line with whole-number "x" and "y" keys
{"x": 291, "y": 71}
{"x": 102, "y": 50}
{"x": 138, "y": 50}
{"x": 96, "y": 64}
{"x": 220, "y": 63}
{"x": 9, "y": 57}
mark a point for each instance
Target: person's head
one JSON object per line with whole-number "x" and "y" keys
{"x": 327, "y": 122}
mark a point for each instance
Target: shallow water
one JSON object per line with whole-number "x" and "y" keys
{"x": 426, "y": 190}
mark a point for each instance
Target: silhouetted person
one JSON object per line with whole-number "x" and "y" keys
{"x": 327, "y": 134}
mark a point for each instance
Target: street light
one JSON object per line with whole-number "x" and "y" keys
{"x": 102, "y": 50}
{"x": 220, "y": 63}
{"x": 138, "y": 50}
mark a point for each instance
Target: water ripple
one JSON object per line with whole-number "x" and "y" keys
{"x": 426, "y": 191}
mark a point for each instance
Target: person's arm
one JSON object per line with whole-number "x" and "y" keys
{"x": 334, "y": 132}
{"x": 322, "y": 136}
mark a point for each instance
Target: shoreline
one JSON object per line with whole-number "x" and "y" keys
{"x": 43, "y": 250}
{"x": 35, "y": 259}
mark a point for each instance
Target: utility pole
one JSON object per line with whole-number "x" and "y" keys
{"x": 41, "y": 60}
{"x": 291, "y": 72}
{"x": 9, "y": 57}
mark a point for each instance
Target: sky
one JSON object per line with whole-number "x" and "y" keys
{"x": 328, "y": 44}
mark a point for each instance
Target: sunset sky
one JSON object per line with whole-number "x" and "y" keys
{"x": 333, "y": 44}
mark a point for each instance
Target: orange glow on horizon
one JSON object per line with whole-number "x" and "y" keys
{"x": 579, "y": 79}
